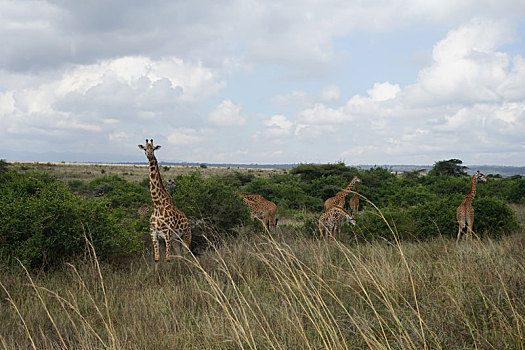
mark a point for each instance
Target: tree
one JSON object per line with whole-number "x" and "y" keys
{"x": 3, "y": 165}
{"x": 448, "y": 167}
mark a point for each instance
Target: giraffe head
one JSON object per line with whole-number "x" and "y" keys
{"x": 170, "y": 184}
{"x": 149, "y": 149}
{"x": 357, "y": 180}
{"x": 350, "y": 219}
{"x": 480, "y": 176}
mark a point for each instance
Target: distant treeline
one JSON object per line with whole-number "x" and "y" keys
{"x": 501, "y": 170}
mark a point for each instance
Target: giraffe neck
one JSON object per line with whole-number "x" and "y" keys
{"x": 470, "y": 196}
{"x": 341, "y": 210}
{"x": 159, "y": 194}
{"x": 349, "y": 187}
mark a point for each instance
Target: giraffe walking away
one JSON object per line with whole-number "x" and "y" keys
{"x": 166, "y": 220}
{"x": 465, "y": 211}
{"x": 262, "y": 209}
{"x": 331, "y": 221}
{"x": 353, "y": 202}
{"x": 339, "y": 198}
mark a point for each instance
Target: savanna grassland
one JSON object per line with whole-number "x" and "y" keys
{"x": 397, "y": 280}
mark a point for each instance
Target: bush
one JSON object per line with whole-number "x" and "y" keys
{"x": 493, "y": 217}
{"x": 438, "y": 216}
{"x": 213, "y": 201}
{"x": 3, "y": 165}
{"x": 43, "y": 223}
{"x": 515, "y": 191}
{"x": 120, "y": 192}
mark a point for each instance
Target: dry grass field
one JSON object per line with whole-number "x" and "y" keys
{"x": 129, "y": 172}
{"x": 285, "y": 291}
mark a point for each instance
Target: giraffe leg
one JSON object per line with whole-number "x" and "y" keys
{"x": 185, "y": 239}
{"x": 266, "y": 222}
{"x": 461, "y": 217}
{"x": 331, "y": 230}
{"x": 167, "y": 239}
{"x": 459, "y": 232}
{"x": 155, "y": 243}
{"x": 470, "y": 223}
{"x": 271, "y": 222}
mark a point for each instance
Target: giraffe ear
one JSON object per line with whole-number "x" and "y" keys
{"x": 142, "y": 147}
{"x": 156, "y": 147}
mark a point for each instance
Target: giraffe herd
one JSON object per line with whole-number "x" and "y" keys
{"x": 169, "y": 223}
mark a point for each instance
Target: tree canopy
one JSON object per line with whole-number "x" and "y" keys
{"x": 449, "y": 167}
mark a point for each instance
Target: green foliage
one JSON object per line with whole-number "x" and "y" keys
{"x": 437, "y": 216}
{"x": 120, "y": 192}
{"x": 515, "y": 190}
{"x": 311, "y": 171}
{"x": 43, "y": 222}
{"x": 3, "y": 165}
{"x": 448, "y": 167}
{"x": 237, "y": 178}
{"x": 213, "y": 201}
{"x": 493, "y": 217}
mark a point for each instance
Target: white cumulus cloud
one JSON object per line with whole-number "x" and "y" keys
{"x": 228, "y": 114}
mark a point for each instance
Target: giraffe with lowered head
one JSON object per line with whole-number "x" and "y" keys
{"x": 262, "y": 209}
{"x": 166, "y": 220}
{"x": 465, "y": 211}
{"x": 331, "y": 221}
{"x": 339, "y": 198}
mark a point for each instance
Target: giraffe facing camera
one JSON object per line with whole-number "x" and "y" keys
{"x": 166, "y": 222}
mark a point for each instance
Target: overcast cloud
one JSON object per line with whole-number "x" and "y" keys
{"x": 376, "y": 82}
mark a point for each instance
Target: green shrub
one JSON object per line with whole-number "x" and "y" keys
{"x": 3, "y": 165}
{"x": 494, "y": 217}
{"x": 438, "y": 216}
{"x": 213, "y": 201}
{"x": 120, "y": 192}
{"x": 515, "y": 190}
{"x": 311, "y": 172}
{"x": 43, "y": 223}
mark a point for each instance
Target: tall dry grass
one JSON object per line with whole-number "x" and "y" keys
{"x": 284, "y": 293}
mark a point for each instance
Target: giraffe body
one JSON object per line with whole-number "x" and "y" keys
{"x": 262, "y": 209}
{"x": 465, "y": 211}
{"x": 353, "y": 202}
{"x": 339, "y": 198}
{"x": 166, "y": 222}
{"x": 331, "y": 221}
{"x": 145, "y": 209}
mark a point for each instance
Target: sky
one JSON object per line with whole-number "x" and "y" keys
{"x": 263, "y": 81}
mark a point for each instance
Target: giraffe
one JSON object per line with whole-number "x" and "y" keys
{"x": 330, "y": 220}
{"x": 262, "y": 209}
{"x": 166, "y": 220}
{"x": 144, "y": 210}
{"x": 339, "y": 198}
{"x": 353, "y": 202}
{"x": 465, "y": 211}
